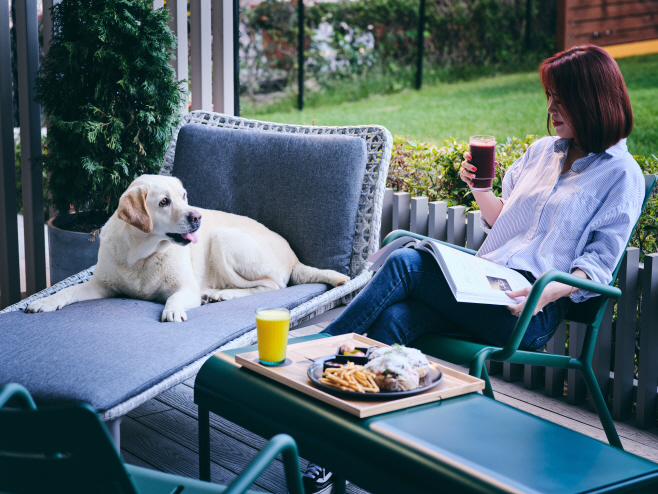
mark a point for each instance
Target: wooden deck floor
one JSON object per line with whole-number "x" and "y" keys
{"x": 163, "y": 433}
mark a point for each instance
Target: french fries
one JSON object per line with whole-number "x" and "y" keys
{"x": 350, "y": 377}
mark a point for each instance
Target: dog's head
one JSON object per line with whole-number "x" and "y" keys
{"x": 157, "y": 205}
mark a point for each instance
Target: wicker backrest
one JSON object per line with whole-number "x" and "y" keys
{"x": 379, "y": 145}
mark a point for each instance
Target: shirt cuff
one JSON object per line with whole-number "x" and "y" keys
{"x": 486, "y": 226}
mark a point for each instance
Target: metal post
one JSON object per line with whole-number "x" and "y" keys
{"x": 528, "y": 24}
{"x": 30, "y": 118}
{"x": 10, "y": 276}
{"x": 300, "y": 55}
{"x": 421, "y": 44}
{"x": 236, "y": 58}
{"x": 223, "y": 96}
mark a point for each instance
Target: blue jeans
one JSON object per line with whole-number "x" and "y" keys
{"x": 409, "y": 297}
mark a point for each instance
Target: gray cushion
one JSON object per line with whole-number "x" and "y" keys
{"x": 304, "y": 187}
{"x": 106, "y": 351}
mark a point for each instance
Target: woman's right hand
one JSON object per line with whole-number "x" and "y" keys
{"x": 467, "y": 169}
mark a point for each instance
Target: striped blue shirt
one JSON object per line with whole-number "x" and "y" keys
{"x": 580, "y": 219}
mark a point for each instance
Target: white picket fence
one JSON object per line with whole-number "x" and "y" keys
{"x": 626, "y": 377}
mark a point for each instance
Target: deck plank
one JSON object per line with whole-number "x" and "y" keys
{"x": 149, "y": 408}
{"x": 181, "y": 398}
{"x": 167, "y": 455}
{"x": 224, "y": 450}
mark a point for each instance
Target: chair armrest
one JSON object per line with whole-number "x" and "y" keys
{"x": 281, "y": 443}
{"x": 395, "y": 234}
{"x": 521, "y": 326}
{"x": 13, "y": 390}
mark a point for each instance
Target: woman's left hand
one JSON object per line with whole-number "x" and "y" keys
{"x": 551, "y": 293}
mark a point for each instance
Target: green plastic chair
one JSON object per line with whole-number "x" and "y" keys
{"x": 589, "y": 312}
{"x": 68, "y": 449}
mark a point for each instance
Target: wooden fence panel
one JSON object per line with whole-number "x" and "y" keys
{"x": 576, "y": 389}
{"x": 401, "y": 211}
{"x": 475, "y": 235}
{"x": 178, "y": 26}
{"x": 200, "y": 50}
{"x": 554, "y": 377}
{"x": 493, "y": 368}
{"x": 438, "y": 221}
{"x": 27, "y": 47}
{"x": 625, "y": 336}
{"x": 647, "y": 381}
{"x": 457, "y": 225}
{"x": 387, "y": 214}
{"x": 533, "y": 376}
{"x": 605, "y": 23}
{"x": 603, "y": 353}
{"x": 10, "y": 276}
{"x": 419, "y": 215}
{"x": 512, "y": 372}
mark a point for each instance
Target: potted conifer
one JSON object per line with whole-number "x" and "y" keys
{"x": 112, "y": 102}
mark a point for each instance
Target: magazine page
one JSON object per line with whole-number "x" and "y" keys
{"x": 477, "y": 280}
{"x": 379, "y": 257}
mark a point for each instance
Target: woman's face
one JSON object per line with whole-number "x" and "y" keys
{"x": 555, "y": 110}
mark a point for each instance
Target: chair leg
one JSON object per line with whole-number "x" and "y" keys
{"x": 479, "y": 370}
{"x": 488, "y": 390}
{"x": 601, "y": 407}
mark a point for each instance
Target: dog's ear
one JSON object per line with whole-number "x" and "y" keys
{"x": 132, "y": 209}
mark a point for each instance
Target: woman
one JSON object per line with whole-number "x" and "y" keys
{"x": 569, "y": 203}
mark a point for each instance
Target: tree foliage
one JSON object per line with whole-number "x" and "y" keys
{"x": 110, "y": 96}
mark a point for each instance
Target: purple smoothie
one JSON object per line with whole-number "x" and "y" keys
{"x": 483, "y": 157}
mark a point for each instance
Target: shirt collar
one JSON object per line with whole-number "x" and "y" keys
{"x": 562, "y": 145}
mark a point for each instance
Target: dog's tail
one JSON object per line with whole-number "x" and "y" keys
{"x": 306, "y": 274}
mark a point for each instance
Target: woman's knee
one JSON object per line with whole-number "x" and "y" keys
{"x": 404, "y": 260}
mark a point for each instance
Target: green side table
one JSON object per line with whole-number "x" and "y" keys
{"x": 467, "y": 444}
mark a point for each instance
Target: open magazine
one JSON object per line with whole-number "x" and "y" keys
{"x": 470, "y": 278}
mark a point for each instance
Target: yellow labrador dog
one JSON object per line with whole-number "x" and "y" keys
{"x": 145, "y": 253}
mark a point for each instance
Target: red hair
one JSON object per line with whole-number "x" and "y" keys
{"x": 591, "y": 90}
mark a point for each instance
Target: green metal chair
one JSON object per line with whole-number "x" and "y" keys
{"x": 589, "y": 313}
{"x": 68, "y": 449}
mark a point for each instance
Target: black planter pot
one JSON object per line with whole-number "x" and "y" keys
{"x": 70, "y": 252}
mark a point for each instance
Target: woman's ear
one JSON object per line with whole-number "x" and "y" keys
{"x": 132, "y": 209}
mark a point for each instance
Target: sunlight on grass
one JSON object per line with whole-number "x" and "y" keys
{"x": 506, "y": 105}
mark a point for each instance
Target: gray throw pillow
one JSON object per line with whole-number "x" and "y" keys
{"x": 306, "y": 188}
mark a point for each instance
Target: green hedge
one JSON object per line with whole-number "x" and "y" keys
{"x": 374, "y": 45}
{"x": 424, "y": 169}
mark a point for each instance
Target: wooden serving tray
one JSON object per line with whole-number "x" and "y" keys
{"x": 301, "y": 355}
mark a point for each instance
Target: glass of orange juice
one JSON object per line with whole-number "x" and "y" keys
{"x": 272, "y": 324}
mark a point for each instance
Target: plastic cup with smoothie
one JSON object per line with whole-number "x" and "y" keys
{"x": 483, "y": 158}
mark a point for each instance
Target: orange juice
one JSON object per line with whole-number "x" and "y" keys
{"x": 272, "y": 326}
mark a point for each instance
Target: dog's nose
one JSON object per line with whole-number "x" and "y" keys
{"x": 194, "y": 217}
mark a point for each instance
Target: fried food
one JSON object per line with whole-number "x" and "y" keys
{"x": 350, "y": 377}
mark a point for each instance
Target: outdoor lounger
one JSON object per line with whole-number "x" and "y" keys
{"x": 321, "y": 188}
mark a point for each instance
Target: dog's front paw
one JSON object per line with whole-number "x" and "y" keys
{"x": 214, "y": 295}
{"x": 43, "y": 305}
{"x": 340, "y": 280}
{"x": 173, "y": 315}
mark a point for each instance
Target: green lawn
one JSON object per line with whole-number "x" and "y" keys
{"x": 507, "y": 105}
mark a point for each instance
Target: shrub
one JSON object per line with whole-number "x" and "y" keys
{"x": 359, "y": 45}
{"x": 427, "y": 170}
{"x": 111, "y": 99}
